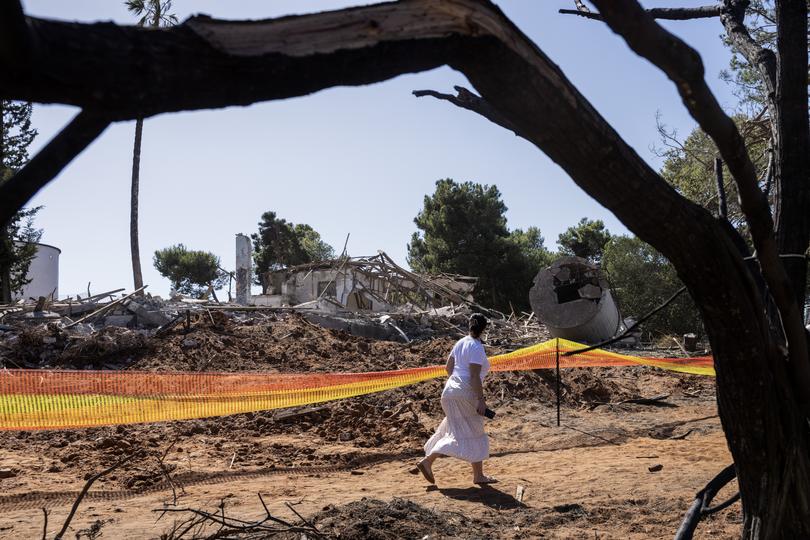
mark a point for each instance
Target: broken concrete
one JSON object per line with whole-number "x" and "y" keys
{"x": 147, "y": 317}
{"x": 244, "y": 254}
{"x": 118, "y": 320}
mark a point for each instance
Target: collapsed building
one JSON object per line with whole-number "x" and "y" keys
{"x": 371, "y": 284}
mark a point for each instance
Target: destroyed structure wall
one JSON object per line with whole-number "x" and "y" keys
{"x": 332, "y": 286}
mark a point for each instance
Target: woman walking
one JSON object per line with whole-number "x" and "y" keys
{"x": 461, "y": 434}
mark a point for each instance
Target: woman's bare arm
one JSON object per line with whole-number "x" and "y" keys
{"x": 478, "y": 387}
{"x": 450, "y": 365}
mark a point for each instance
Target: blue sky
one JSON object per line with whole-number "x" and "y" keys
{"x": 353, "y": 160}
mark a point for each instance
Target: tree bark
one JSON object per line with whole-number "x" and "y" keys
{"x": 206, "y": 63}
{"x": 137, "y": 276}
{"x": 5, "y": 270}
{"x": 792, "y": 163}
{"x": 5, "y": 253}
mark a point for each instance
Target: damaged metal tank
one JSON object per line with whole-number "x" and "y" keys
{"x": 572, "y": 298}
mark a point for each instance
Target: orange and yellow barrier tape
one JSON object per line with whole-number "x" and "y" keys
{"x": 39, "y": 399}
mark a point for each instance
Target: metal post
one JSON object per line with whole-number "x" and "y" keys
{"x": 558, "y": 381}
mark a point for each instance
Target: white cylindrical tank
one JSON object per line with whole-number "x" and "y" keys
{"x": 572, "y": 298}
{"x": 43, "y": 273}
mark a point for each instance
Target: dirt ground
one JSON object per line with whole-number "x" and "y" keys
{"x": 610, "y": 471}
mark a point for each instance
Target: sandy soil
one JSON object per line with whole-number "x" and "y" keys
{"x": 590, "y": 478}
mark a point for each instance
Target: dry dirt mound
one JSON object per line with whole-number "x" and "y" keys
{"x": 372, "y": 519}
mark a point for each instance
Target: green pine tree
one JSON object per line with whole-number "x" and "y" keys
{"x": 190, "y": 272}
{"x": 18, "y": 236}
{"x": 462, "y": 230}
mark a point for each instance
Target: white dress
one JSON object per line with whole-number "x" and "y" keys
{"x": 461, "y": 433}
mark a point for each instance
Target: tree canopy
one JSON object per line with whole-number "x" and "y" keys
{"x": 642, "y": 279}
{"x": 462, "y": 230}
{"x": 586, "y": 239}
{"x": 190, "y": 272}
{"x": 279, "y": 244}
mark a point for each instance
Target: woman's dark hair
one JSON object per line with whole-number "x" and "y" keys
{"x": 477, "y": 324}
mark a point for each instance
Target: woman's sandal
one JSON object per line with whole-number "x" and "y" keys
{"x": 426, "y": 472}
{"x": 487, "y": 480}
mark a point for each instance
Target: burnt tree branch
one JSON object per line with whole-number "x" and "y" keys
{"x": 732, "y": 16}
{"x": 131, "y": 72}
{"x": 43, "y": 167}
{"x": 672, "y": 14}
{"x": 630, "y": 328}
{"x": 703, "y": 498}
{"x": 87, "y": 485}
{"x": 472, "y": 102}
{"x": 722, "y": 205}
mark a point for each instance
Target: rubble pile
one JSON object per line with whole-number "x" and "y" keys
{"x": 114, "y": 330}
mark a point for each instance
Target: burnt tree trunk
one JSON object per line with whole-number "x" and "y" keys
{"x": 792, "y": 163}
{"x": 6, "y": 247}
{"x": 206, "y": 63}
{"x": 779, "y": 505}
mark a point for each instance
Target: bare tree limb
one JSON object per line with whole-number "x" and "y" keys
{"x": 231, "y": 527}
{"x": 732, "y": 15}
{"x": 769, "y": 171}
{"x": 683, "y": 66}
{"x": 630, "y": 328}
{"x": 672, "y": 14}
{"x": 44, "y": 166}
{"x": 131, "y": 72}
{"x": 165, "y": 470}
{"x": 700, "y": 506}
{"x": 722, "y": 206}
{"x": 470, "y": 101}
{"x": 90, "y": 482}
{"x": 670, "y": 140}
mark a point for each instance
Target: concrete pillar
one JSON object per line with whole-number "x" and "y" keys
{"x": 244, "y": 255}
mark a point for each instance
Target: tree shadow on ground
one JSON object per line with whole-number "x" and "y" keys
{"x": 486, "y": 495}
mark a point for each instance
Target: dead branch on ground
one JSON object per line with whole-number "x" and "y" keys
{"x": 166, "y": 473}
{"x": 90, "y": 482}
{"x": 700, "y": 507}
{"x": 200, "y": 520}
